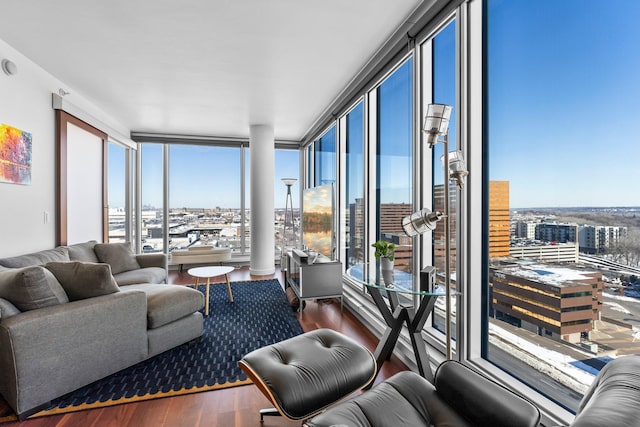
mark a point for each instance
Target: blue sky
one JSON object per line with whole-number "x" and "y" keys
{"x": 563, "y": 114}
{"x": 200, "y": 177}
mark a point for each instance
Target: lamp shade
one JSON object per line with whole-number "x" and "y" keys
{"x": 289, "y": 181}
{"x": 457, "y": 167}
{"x": 420, "y": 222}
{"x": 436, "y": 122}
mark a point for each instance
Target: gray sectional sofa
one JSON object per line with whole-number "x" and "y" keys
{"x": 75, "y": 314}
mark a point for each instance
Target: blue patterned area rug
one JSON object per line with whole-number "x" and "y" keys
{"x": 260, "y": 315}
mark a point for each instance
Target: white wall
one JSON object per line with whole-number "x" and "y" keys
{"x": 25, "y": 103}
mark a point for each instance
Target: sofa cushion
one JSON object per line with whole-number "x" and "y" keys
{"x": 37, "y": 258}
{"x": 168, "y": 303}
{"x": 30, "y": 288}
{"x": 83, "y": 280}
{"x": 141, "y": 275}
{"x": 83, "y": 252}
{"x": 118, "y": 255}
{"x": 7, "y": 309}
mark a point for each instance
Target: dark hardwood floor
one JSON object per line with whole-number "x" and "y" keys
{"x": 236, "y": 406}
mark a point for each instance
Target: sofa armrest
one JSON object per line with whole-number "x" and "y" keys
{"x": 49, "y": 352}
{"x": 482, "y": 401}
{"x": 152, "y": 260}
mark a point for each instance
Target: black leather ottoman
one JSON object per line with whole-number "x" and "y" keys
{"x": 304, "y": 375}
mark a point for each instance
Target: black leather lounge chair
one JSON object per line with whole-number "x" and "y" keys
{"x": 460, "y": 397}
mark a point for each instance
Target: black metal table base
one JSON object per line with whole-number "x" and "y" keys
{"x": 401, "y": 315}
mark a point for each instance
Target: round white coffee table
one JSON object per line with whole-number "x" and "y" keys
{"x": 208, "y": 273}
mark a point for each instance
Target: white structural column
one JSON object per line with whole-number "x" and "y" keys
{"x": 261, "y": 172}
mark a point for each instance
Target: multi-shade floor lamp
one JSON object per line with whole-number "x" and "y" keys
{"x": 436, "y": 129}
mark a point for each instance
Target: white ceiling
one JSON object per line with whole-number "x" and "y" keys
{"x": 204, "y": 67}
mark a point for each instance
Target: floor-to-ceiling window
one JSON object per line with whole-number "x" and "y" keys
{"x": 440, "y": 52}
{"x": 394, "y": 165}
{"x": 287, "y": 198}
{"x": 116, "y": 192}
{"x": 354, "y": 209}
{"x": 208, "y": 191}
{"x": 562, "y": 226}
{"x": 325, "y": 158}
{"x": 204, "y": 196}
{"x": 152, "y": 197}
{"x": 246, "y": 228}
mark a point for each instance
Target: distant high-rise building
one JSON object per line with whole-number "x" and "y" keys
{"x": 391, "y": 215}
{"x": 438, "y": 233}
{"x": 553, "y": 232}
{"x": 525, "y": 229}
{"x": 595, "y": 239}
{"x": 355, "y": 227}
{"x": 499, "y": 219}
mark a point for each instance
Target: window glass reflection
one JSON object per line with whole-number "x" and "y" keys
{"x": 394, "y": 165}
{"x": 354, "y": 186}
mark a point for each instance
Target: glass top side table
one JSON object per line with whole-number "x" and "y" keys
{"x": 396, "y": 314}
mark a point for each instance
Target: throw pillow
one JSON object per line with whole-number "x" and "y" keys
{"x": 83, "y": 280}
{"x": 118, "y": 255}
{"x": 30, "y": 288}
{"x": 7, "y": 309}
{"x": 83, "y": 252}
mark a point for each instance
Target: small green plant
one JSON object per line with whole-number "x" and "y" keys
{"x": 384, "y": 249}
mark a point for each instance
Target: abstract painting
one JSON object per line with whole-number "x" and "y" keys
{"x": 15, "y": 155}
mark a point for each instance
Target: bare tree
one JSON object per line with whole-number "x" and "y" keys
{"x": 627, "y": 249}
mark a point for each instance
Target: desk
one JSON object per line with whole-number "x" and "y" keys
{"x": 396, "y": 315}
{"x": 209, "y": 272}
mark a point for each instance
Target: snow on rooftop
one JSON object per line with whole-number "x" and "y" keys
{"x": 550, "y": 275}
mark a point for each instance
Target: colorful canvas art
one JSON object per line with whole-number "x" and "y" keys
{"x": 15, "y": 155}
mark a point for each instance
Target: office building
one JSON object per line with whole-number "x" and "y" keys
{"x": 555, "y": 301}
{"x": 499, "y": 219}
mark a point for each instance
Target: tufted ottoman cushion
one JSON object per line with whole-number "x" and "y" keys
{"x": 304, "y": 375}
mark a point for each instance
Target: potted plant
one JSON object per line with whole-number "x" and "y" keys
{"x": 385, "y": 253}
